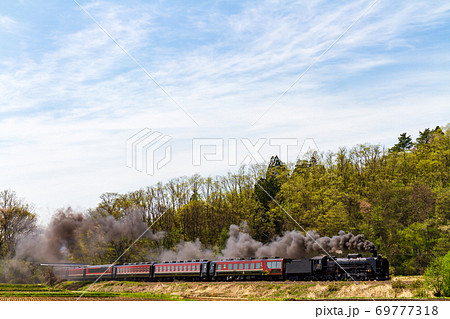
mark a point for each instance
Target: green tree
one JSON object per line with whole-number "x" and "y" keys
{"x": 267, "y": 188}
{"x": 425, "y": 137}
{"x": 437, "y": 276}
{"x": 404, "y": 143}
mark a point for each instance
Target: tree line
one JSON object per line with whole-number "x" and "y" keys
{"x": 399, "y": 198}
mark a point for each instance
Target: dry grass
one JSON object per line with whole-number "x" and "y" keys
{"x": 401, "y": 287}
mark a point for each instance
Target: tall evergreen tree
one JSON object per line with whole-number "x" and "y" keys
{"x": 405, "y": 143}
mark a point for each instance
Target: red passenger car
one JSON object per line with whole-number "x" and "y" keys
{"x": 248, "y": 269}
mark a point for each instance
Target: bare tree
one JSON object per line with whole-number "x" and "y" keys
{"x": 16, "y": 218}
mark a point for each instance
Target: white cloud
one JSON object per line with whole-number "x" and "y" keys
{"x": 65, "y": 115}
{"x": 8, "y": 25}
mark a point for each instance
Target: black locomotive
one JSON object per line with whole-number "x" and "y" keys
{"x": 353, "y": 267}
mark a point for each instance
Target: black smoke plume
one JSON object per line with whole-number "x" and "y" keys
{"x": 293, "y": 244}
{"x": 70, "y": 234}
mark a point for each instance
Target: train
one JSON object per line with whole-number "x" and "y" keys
{"x": 318, "y": 268}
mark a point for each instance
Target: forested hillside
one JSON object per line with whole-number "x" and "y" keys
{"x": 399, "y": 198}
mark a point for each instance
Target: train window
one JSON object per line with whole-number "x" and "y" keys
{"x": 241, "y": 266}
{"x": 269, "y": 264}
{"x": 258, "y": 265}
{"x": 225, "y": 266}
{"x": 252, "y": 266}
{"x": 279, "y": 264}
{"x": 219, "y": 267}
{"x": 234, "y": 266}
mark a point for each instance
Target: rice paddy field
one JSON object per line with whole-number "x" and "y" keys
{"x": 400, "y": 288}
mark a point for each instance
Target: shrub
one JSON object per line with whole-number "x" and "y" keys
{"x": 437, "y": 276}
{"x": 398, "y": 284}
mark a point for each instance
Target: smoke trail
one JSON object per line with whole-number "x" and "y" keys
{"x": 293, "y": 244}
{"x": 187, "y": 251}
{"x": 240, "y": 244}
{"x": 68, "y": 233}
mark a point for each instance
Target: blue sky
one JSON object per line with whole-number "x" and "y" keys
{"x": 70, "y": 97}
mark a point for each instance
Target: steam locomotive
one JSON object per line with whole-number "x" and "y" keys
{"x": 353, "y": 267}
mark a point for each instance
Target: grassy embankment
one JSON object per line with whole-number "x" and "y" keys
{"x": 399, "y": 288}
